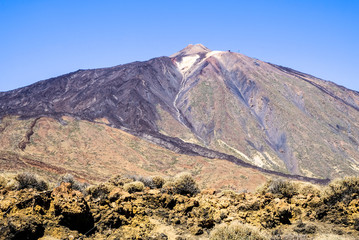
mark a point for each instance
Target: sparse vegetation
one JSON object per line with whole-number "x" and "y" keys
{"x": 185, "y": 184}
{"x": 147, "y": 181}
{"x": 169, "y": 187}
{"x": 3, "y": 182}
{"x": 279, "y": 187}
{"x": 119, "y": 180}
{"x": 237, "y": 230}
{"x": 342, "y": 190}
{"x": 304, "y": 228}
{"x": 333, "y": 237}
{"x": 182, "y": 183}
{"x": 135, "y": 186}
{"x": 29, "y": 180}
{"x": 307, "y": 188}
{"x": 291, "y": 237}
{"x": 158, "y": 181}
{"x": 76, "y": 185}
{"x": 99, "y": 191}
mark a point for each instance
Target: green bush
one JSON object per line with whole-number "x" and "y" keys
{"x": 342, "y": 190}
{"x": 184, "y": 184}
{"x": 132, "y": 187}
{"x": 236, "y": 230}
{"x": 29, "y": 180}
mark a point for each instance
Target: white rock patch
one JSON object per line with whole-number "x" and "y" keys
{"x": 212, "y": 53}
{"x": 258, "y": 160}
{"x": 187, "y": 62}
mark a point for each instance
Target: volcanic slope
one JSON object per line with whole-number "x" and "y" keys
{"x": 270, "y": 116}
{"x": 94, "y": 152}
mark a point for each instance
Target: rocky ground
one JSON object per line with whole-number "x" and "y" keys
{"x": 139, "y": 208}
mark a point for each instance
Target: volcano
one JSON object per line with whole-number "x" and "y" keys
{"x": 197, "y": 102}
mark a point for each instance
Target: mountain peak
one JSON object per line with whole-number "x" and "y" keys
{"x": 244, "y": 110}
{"x": 192, "y": 49}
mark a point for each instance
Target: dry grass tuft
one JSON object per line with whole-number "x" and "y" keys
{"x": 237, "y": 230}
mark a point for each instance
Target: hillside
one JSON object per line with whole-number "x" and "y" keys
{"x": 94, "y": 152}
{"x": 215, "y": 104}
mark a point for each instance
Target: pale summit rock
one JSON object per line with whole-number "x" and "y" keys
{"x": 191, "y": 50}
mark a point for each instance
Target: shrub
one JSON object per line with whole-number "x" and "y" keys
{"x": 28, "y": 180}
{"x": 118, "y": 180}
{"x": 169, "y": 187}
{"x": 184, "y": 184}
{"x": 342, "y": 190}
{"x": 236, "y": 230}
{"x": 132, "y": 187}
{"x": 279, "y": 187}
{"x": 305, "y": 228}
{"x": 307, "y": 188}
{"x": 158, "y": 181}
{"x": 75, "y": 185}
{"x": 100, "y": 191}
{"x": 147, "y": 181}
{"x": 3, "y": 182}
{"x": 228, "y": 193}
{"x": 10, "y": 182}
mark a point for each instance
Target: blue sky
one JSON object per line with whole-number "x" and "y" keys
{"x": 42, "y": 39}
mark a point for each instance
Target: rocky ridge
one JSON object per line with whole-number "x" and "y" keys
{"x": 280, "y": 210}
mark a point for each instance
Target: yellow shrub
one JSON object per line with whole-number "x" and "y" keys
{"x": 132, "y": 187}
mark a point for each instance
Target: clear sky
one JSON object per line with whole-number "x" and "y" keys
{"x": 40, "y": 39}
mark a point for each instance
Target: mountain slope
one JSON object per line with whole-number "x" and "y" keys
{"x": 277, "y": 118}
{"x": 94, "y": 152}
{"x": 266, "y": 115}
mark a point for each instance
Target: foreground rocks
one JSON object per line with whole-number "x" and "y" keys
{"x": 107, "y": 211}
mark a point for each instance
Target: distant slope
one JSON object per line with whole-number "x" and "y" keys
{"x": 270, "y": 116}
{"x": 95, "y": 152}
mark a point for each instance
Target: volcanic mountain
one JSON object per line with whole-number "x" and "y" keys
{"x": 196, "y": 102}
